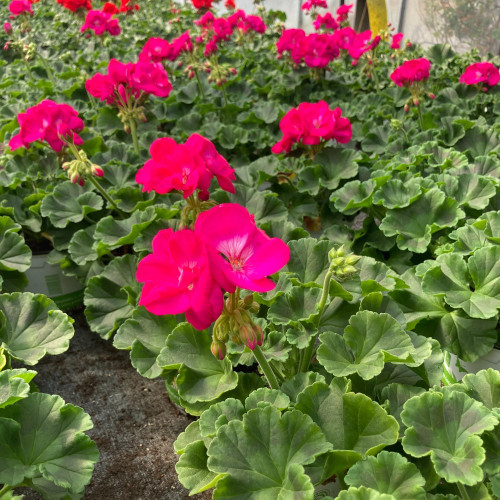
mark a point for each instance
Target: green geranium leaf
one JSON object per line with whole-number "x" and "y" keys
{"x": 82, "y": 246}
{"x": 471, "y": 190}
{"x": 370, "y": 340}
{"x": 309, "y": 260}
{"x": 32, "y": 326}
{"x": 415, "y": 224}
{"x": 295, "y": 306}
{"x": 330, "y": 167}
{"x": 474, "y": 287}
{"x": 192, "y": 469}
{"x": 484, "y": 386}
{"x": 355, "y": 195}
{"x": 14, "y": 385}
{"x": 263, "y": 455}
{"x": 446, "y": 427}
{"x": 354, "y": 424}
{"x": 190, "y": 435}
{"x": 145, "y": 334}
{"x": 15, "y": 255}
{"x": 108, "y": 296}
{"x": 388, "y": 473}
{"x": 265, "y": 396}
{"x": 114, "y": 233}
{"x": 44, "y": 439}
{"x": 292, "y": 387}
{"x": 69, "y": 203}
{"x": 201, "y": 377}
{"x": 220, "y": 414}
{"x": 363, "y": 493}
{"x": 397, "y": 194}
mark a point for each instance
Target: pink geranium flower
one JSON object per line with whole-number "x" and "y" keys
{"x": 177, "y": 279}
{"x": 289, "y": 40}
{"x": 362, "y": 43}
{"x": 150, "y": 78}
{"x": 50, "y": 122}
{"x": 415, "y": 70}
{"x": 343, "y": 12}
{"x": 326, "y": 22}
{"x": 309, "y": 4}
{"x": 241, "y": 254}
{"x": 18, "y": 7}
{"x": 481, "y": 72}
{"x": 99, "y": 22}
{"x": 185, "y": 167}
{"x": 155, "y": 50}
{"x": 397, "y": 38}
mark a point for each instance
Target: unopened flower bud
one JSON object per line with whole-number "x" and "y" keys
{"x": 96, "y": 170}
{"x": 352, "y": 259}
{"x": 432, "y": 96}
{"x": 218, "y": 349}
{"x": 415, "y": 102}
{"x": 7, "y": 27}
{"x": 248, "y": 300}
{"x": 248, "y": 337}
{"x": 406, "y": 108}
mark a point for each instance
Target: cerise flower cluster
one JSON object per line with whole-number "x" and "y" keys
{"x": 188, "y": 270}
{"x": 312, "y": 124}
{"x": 481, "y": 73}
{"x": 410, "y": 72}
{"x": 127, "y": 81}
{"x": 159, "y": 49}
{"x": 74, "y": 5}
{"x": 202, "y": 4}
{"x": 100, "y": 21}
{"x": 19, "y": 7}
{"x": 50, "y": 122}
{"x": 125, "y": 6}
{"x": 185, "y": 167}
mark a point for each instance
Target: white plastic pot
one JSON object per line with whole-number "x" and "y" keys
{"x": 458, "y": 368}
{"x": 65, "y": 291}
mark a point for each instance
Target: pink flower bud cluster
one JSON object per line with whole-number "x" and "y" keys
{"x": 126, "y": 81}
{"x": 99, "y": 22}
{"x": 188, "y": 270}
{"x": 50, "y": 122}
{"x": 481, "y": 72}
{"x": 185, "y": 167}
{"x": 414, "y": 70}
{"x": 18, "y": 7}
{"x": 311, "y": 124}
{"x": 159, "y": 49}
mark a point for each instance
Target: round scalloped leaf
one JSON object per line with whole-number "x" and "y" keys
{"x": 363, "y": 493}
{"x": 484, "y": 386}
{"x": 369, "y": 341}
{"x": 397, "y": 194}
{"x": 14, "y": 385}
{"x": 15, "y": 255}
{"x": 202, "y": 377}
{"x": 145, "y": 335}
{"x": 353, "y": 196}
{"x": 265, "y": 396}
{"x": 113, "y": 233}
{"x": 32, "y": 326}
{"x": 473, "y": 287}
{"x": 82, "y": 246}
{"x": 446, "y": 427}
{"x": 220, "y": 414}
{"x": 471, "y": 190}
{"x": 69, "y": 203}
{"x": 295, "y": 306}
{"x": 415, "y": 224}
{"x": 353, "y": 423}
{"x": 192, "y": 469}
{"x": 292, "y": 387}
{"x": 45, "y": 439}
{"x": 190, "y": 435}
{"x": 110, "y": 297}
{"x": 263, "y": 455}
{"x": 388, "y": 473}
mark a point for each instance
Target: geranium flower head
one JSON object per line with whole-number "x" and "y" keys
{"x": 18, "y": 7}
{"x": 50, "y": 122}
{"x": 74, "y": 5}
{"x": 177, "y": 279}
{"x": 202, "y": 4}
{"x": 99, "y": 22}
{"x": 481, "y": 72}
{"x": 309, "y": 4}
{"x": 229, "y": 4}
{"x": 155, "y": 50}
{"x": 397, "y": 38}
{"x": 343, "y": 12}
{"x": 289, "y": 40}
{"x": 241, "y": 254}
{"x": 151, "y": 78}
{"x": 414, "y": 70}
{"x": 326, "y": 22}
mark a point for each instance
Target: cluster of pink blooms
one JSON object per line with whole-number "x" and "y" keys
{"x": 99, "y": 22}
{"x": 317, "y": 50}
{"x": 50, "y": 122}
{"x": 185, "y": 167}
{"x": 129, "y": 81}
{"x": 202, "y": 4}
{"x": 74, "y": 5}
{"x": 125, "y": 6}
{"x": 311, "y": 4}
{"x": 311, "y": 124}
{"x": 481, "y": 72}
{"x": 414, "y": 70}
{"x": 188, "y": 270}
{"x": 19, "y": 7}
{"x": 397, "y": 38}
{"x": 158, "y": 49}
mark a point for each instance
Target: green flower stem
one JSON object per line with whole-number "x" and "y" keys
{"x": 49, "y": 72}
{"x": 266, "y": 368}
{"x": 200, "y": 86}
{"x": 226, "y": 102}
{"x": 8, "y": 365}
{"x": 420, "y": 117}
{"x": 5, "y": 489}
{"x": 133, "y": 131}
{"x": 340, "y": 477}
{"x": 103, "y": 192}
{"x": 375, "y": 79}
{"x": 308, "y": 353}
{"x": 463, "y": 491}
